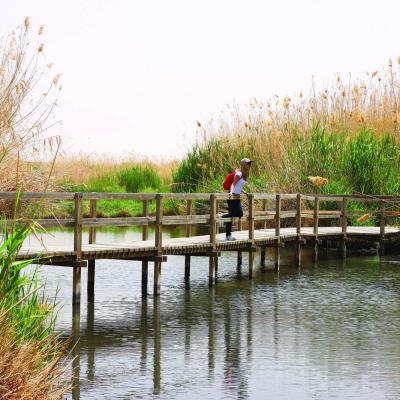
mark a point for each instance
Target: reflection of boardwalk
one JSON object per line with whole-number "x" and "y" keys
{"x": 305, "y": 219}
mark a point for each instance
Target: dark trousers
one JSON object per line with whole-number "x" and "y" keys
{"x": 235, "y": 209}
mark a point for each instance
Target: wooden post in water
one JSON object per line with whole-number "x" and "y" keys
{"x": 145, "y": 236}
{"x": 382, "y": 224}
{"x": 343, "y": 223}
{"x": 158, "y": 244}
{"x": 76, "y": 281}
{"x": 189, "y": 209}
{"x": 91, "y": 263}
{"x": 278, "y": 204}
{"x": 298, "y": 229}
{"x": 211, "y": 271}
{"x": 315, "y": 228}
{"x": 251, "y": 235}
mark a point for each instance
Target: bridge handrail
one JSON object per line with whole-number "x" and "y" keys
{"x": 294, "y": 209}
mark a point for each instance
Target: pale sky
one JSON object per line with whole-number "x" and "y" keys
{"x": 136, "y": 75}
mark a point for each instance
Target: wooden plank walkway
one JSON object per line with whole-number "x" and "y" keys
{"x": 303, "y": 220}
{"x": 201, "y": 244}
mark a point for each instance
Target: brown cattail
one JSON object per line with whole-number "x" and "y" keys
{"x": 27, "y": 23}
{"x": 40, "y": 48}
{"x": 56, "y": 79}
{"x": 41, "y": 30}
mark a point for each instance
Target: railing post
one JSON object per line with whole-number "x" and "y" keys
{"x": 278, "y": 204}
{"x": 158, "y": 244}
{"x": 91, "y": 263}
{"x": 343, "y": 223}
{"x": 189, "y": 210}
{"x": 264, "y": 208}
{"x": 315, "y": 227}
{"x": 264, "y": 225}
{"x": 251, "y": 235}
{"x": 298, "y": 229}
{"x": 213, "y": 208}
{"x": 76, "y": 281}
{"x": 382, "y": 224}
{"x": 239, "y": 253}
{"x": 145, "y": 236}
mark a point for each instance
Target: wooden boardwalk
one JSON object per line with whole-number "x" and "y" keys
{"x": 200, "y": 244}
{"x": 271, "y": 220}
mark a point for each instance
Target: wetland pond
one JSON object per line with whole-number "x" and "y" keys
{"x": 327, "y": 331}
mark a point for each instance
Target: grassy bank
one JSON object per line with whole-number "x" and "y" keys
{"x": 112, "y": 176}
{"x": 30, "y": 354}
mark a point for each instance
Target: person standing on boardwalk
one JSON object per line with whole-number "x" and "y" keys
{"x": 235, "y": 208}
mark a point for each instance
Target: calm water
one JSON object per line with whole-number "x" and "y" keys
{"x": 329, "y": 331}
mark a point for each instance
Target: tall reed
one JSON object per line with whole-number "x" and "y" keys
{"x": 347, "y": 132}
{"x": 28, "y": 97}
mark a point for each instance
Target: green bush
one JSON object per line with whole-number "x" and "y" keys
{"x": 137, "y": 178}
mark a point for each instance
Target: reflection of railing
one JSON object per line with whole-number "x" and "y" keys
{"x": 273, "y": 211}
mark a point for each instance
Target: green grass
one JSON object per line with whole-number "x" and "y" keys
{"x": 21, "y": 292}
{"x": 353, "y": 163}
{"x": 136, "y": 179}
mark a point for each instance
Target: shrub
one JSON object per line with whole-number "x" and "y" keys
{"x": 138, "y": 178}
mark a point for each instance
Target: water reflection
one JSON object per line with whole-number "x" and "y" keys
{"x": 291, "y": 334}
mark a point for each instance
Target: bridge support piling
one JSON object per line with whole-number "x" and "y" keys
{"x": 343, "y": 248}
{"x": 251, "y": 264}
{"x": 262, "y": 260}
{"x": 211, "y": 271}
{"x": 239, "y": 259}
{"x": 90, "y": 280}
{"x": 76, "y": 284}
{"x": 298, "y": 254}
{"x": 145, "y": 277}
{"x": 277, "y": 257}
{"x": 157, "y": 278}
{"x": 187, "y": 268}
{"x": 315, "y": 252}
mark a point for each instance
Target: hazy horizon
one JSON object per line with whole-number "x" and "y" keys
{"x": 137, "y": 75}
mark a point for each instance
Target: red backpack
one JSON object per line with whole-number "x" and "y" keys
{"x": 229, "y": 180}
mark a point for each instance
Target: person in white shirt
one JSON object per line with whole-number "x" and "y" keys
{"x": 235, "y": 208}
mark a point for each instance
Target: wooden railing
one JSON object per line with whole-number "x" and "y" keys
{"x": 264, "y": 210}
{"x": 282, "y": 207}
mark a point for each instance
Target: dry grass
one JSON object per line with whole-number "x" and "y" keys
{"x": 28, "y": 96}
{"x": 82, "y": 168}
{"x": 24, "y": 371}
